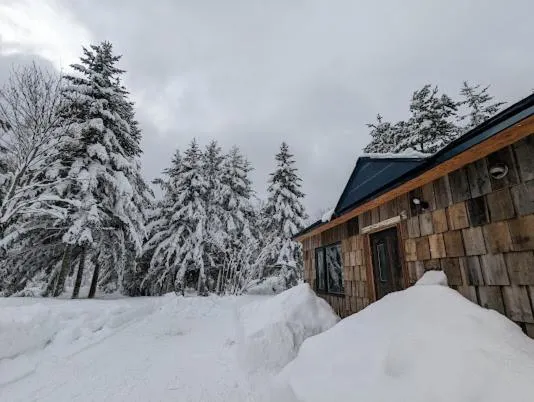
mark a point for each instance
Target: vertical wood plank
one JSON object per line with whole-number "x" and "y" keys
{"x": 500, "y": 205}
{"x": 439, "y": 220}
{"x": 459, "y": 185}
{"x": 524, "y": 152}
{"x": 522, "y": 233}
{"x": 410, "y": 250}
{"x": 426, "y": 224}
{"x": 477, "y": 211}
{"x": 520, "y": 267}
{"x": 413, "y": 227}
{"x": 478, "y": 177}
{"x": 453, "y": 243}
{"x": 517, "y": 303}
{"x": 437, "y": 246}
{"x": 428, "y": 196}
{"x": 497, "y": 237}
{"x": 403, "y": 204}
{"x": 491, "y": 297}
{"x": 523, "y": 196}
{"x": 422, "y": 248}
{"x": 375, "y": 215}
{"x": 458, "y": 216}
{"x": 494, "y": 269}
{"x": 442, "y": 192}
{"x": 474, "y": 241}
{"x": 451, "y": 267}
{"x": 473, "y": 270}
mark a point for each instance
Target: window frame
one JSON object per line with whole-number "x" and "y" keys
{"x": 326, "y": 271}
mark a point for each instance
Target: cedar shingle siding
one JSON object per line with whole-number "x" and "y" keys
{"x": 477, "y": 229}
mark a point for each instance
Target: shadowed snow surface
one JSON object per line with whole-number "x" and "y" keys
{"x": 143, "y": 349}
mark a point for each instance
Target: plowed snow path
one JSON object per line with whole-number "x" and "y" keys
{"x": 144, "y": 349}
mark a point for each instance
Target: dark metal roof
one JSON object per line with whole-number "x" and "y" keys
{"x": 372, "y": 177}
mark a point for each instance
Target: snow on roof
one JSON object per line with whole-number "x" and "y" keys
{"x": 328, "y": 215}
{"x": 408, "y": 154}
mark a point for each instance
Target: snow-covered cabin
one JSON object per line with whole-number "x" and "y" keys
{"x": 467, "y": 210}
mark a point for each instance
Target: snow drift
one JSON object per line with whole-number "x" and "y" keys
{"x": 273, "y": 329}
{"x": 426, "y": 343}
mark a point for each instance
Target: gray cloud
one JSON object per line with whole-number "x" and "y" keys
{"x": 255, "y": 73}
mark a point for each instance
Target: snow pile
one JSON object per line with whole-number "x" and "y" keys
{"x": 31, "y": 332}
{"x": 433, "y": 278}
{"x": 269, "y": 286}
{"x": 273, "y": 329}
{"x": 426, "y": 343}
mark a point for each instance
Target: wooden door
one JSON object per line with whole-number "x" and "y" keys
{"x": 387, "y": 268}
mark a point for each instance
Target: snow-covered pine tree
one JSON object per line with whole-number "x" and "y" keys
{"x": 284, "y": 217}
{"x": 235, "y": 198}
{"x": 431, "y": 125}
{"x": 100, "y": 163}
{"x": 179, "y": 233}
{"x": 163, "y": 234}
{"x": 479, "y": 105}
{"x": 212, "y": 165}
{"x": 382, "y": 137}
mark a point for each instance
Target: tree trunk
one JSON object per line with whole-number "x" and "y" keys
{"x": 65, "y": 265}
{"x": 79, "y": 275}
{"x": 94, "y": 281}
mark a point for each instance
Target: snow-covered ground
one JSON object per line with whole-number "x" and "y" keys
{"x": 427, "y": 343}
{"x": 152, "y": 349}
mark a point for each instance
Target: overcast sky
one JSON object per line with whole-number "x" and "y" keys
{"x": 256, "y": 73}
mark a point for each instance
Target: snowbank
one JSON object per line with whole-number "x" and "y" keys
{"x": 426, "y": 343}
{"x": 432, "y": 278}
{"x": 30, "y": 331}
{"x": 268, "y": 286}
{"x": 273, "y": 329}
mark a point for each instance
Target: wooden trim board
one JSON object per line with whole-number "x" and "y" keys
{"x": 503, "y": 139}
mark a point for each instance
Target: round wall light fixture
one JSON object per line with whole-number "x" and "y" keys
{"x": 498, "y": 171}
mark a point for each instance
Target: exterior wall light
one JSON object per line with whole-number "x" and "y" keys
{"x": 420, "y": 203}
{"x": 498, "y": 171}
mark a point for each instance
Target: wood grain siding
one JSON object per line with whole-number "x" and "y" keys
{"x": 505, "y": 138}
{"x": 477, "y": 229}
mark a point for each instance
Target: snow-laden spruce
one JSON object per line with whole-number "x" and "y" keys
{"x": 102, "y": 171}
{"x": 284, "y": 216}
{"x": 479, "y": 105}
{"x": 180, "y": 235}
{"x": 203, "y": 233}
{"x": 435, "y": 120}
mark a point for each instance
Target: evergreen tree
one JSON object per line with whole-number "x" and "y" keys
{"x": 284, "y": 217}
{"x": 216, "y": 233}
{"x": 479, "y": 105}
{"x": 100, "y": 163}
{"x": 383, "y": 137}
{"x": 431, "y": 125}
{"x": 239, "y": 216}
{"x": 179, "y": 232}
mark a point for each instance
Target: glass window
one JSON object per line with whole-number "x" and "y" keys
{"x": 334, "y": 268}
{"x": 319, "y": 270}
{"x": 382, "y": 262}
